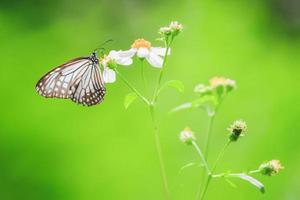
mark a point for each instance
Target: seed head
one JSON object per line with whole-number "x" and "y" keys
{"x": 237, "y": 129}
{"x": 270, "y": 168}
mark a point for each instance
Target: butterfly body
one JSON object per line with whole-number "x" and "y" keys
{"x": 79, "y": 79}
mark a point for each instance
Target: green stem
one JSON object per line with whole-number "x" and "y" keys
{"x": 208, "y": 137}
{"x": 155, "y": 94}
{"x": 207, "y": 142}
{"x": 144, "y": 99}
{"x": 205, "y": 187}
{"x": 143, "y": 73}
{"x": 159, "y": 152}
{"x": 213, "y": 169}
{"x": 254, "y": 171}
{"x": 218, "y": 175}
{"x": 202, "y": 157}
{"x": 156, "y": 134}
{"x": 221, "y": 154}
{"x": 210, "y": 125}
{"x": 228, "y": 175}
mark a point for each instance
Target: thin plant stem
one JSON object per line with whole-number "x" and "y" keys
{"x": 210, "y": 125}
{"x": 144, "y": 99}
{"x": 207, "y": 142}
{"x": 208, "y": 138}
{"x": 221, "y": 154}
{"x": 228, "y": 175}
{"x": 143, "y": 73}
{"x": 155, "y": 94}
{"x": 159, "y": 152}
{"x": 213, "y": 169}
{"x": 155, "y": 125}
{"x": 209, "y": 133}
{"x": 202, "y": 157}
{"x": 254, "y": 171}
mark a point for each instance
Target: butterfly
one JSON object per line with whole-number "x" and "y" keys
{"x": 79, "y": 79}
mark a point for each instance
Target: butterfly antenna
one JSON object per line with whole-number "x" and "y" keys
{"x": 101, "y": 48}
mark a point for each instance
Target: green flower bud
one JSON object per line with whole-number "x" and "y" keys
{"x": 237, "y": 129}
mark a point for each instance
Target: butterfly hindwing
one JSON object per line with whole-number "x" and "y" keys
{"x": 79, "y": 79}
{"x": 90, "y": 90}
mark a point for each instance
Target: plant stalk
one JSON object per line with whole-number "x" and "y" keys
{"x": 213, "y": 169}
{"x": 144, "y": 99}
{"x": 159, "y": 152}
{"x": 202, "y": 157}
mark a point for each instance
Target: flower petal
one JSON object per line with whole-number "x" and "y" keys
{"x": 114, "y": 54}
{"x": 124, "y": 61}
{"x": 155, "y": 60}
{"x": 160, "y": 51}
{"x": 109, "y": 75}
{"x": 143, "y": 52}
{"x": 128, "y": 53}
{"x": 122, "y": 57}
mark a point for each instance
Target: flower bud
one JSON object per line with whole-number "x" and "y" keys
{"x": 202, "y": 89}
{"x": 172, "y": 30}
{"x": 187, "y": 136}
{"x": 165, "y": 31}
{"x": 237, "y": 129}
{"x": 270, "y": 168}
{"x": 222, "y": 85}
{"x": 175, "y": 27}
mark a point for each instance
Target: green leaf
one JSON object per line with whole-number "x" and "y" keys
{"x": 183, "y": 106}
{"x": 129, "y": 99}
{"x": 178, "y": 85}
{"x": 251, "y": 180}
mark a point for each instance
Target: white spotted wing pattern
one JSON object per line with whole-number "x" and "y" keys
{"x": 79, "y": 80}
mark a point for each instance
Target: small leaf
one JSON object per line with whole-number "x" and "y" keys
{"x": 187, "y": 166}
{"x": 178, "y": 85}
{"x": 251, "y": 180}
{"x": 129, "y": 99}
{"x": 183, "y": 106}
{"x": 230, "y": 183}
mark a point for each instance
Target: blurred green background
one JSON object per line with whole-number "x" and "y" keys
{"x": 56, "y": 150}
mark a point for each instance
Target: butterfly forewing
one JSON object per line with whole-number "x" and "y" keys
{"x": 79, "y": 79}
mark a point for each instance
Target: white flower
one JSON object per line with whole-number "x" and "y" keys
{"x": 109, "y": 63}
{"x": 187, "y": 136}
{"x": 143, "y": 49}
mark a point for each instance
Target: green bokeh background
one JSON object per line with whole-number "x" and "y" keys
{"x": 56, "y": 150}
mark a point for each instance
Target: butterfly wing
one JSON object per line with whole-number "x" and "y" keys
{"x": 90, "y": 89}
{"x": 79, "y": 80}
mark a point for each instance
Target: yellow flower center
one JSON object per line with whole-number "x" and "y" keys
{"x": 141, "y": 43}
{"x": 104, "y": 60}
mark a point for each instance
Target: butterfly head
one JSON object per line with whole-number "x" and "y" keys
{"x": 94, "y": 57}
